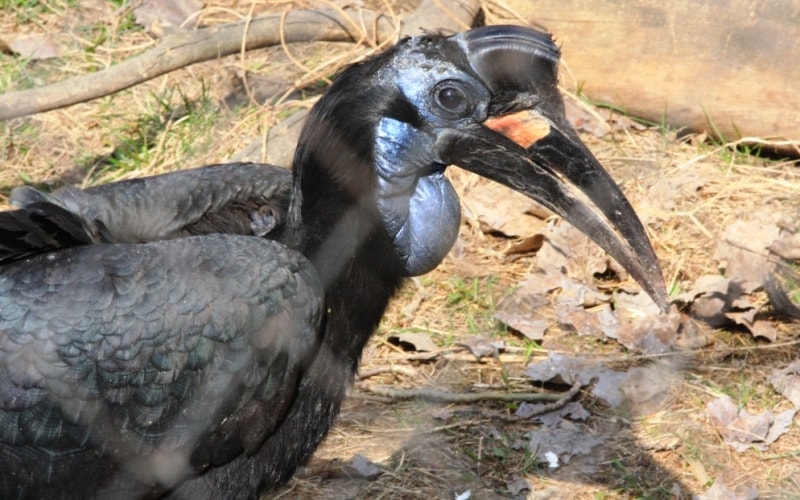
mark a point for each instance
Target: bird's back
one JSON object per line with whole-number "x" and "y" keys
{"x": 237, "y": 198}
{"x": 129, "y": 366}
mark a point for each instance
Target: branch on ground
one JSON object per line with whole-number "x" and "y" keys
{"x": 182, "y": 49}
{"x": 434, "y": 395}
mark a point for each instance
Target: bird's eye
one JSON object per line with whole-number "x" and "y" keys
{"x": 452, "y": 98}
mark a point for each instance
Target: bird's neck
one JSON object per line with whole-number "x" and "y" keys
{"x": 338, "y": 227}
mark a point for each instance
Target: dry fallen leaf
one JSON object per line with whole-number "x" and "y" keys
{"x": 787, "y": 246}
{"x": 565, "y": 441}
{"x": 747, "y": 319}
{"x": 517, "y": 485}
{"x": 601, "y": 322}
{"x": 599, "y": 122}
{"x": 648, "y": 389}
{"x": 569, "y": 250}
{"x": 720, "y": 301}
{"x": 642, "y": 326}
{"x": 497, "y": 210}
{"x": 742, "y": 430}
{"x": 742, "y": 250}
{"x": 34, "y": 47}
{"x": 720, "y": 491}
{"x": 568, "y": 369}
{"x": 442, "y": 413}
{"x": 787, "y": 382}
{"x": 573, "y": 411}
{"x": 523, "y": 323}
{"x": 579, "y": 116}
{"x": 529, "y": 244}
{"x": 709, "y": 299}
{"x": 411, "y": 341}
{"x": 481, "y": 346}
{"x": 361, "y": 466}
{"x": 517, "y": 310}
{"x": 166, "y": 13}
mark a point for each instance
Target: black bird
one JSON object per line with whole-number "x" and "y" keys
{"x": 154, "y": 343}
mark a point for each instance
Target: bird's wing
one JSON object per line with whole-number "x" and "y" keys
{"x": 188, "y": 349}
{"x": 237, "y": 198}
{"x": 42, "y": 226}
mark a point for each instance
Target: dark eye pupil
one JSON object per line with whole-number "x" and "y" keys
{"x": 451, "y": 98}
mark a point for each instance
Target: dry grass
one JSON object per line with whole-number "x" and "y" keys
{"x": 686, "y": 192}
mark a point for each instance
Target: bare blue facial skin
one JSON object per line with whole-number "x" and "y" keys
{"x": 418, "y": 205}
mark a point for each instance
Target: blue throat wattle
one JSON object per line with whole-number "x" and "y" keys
{"x": 418, "y": 205}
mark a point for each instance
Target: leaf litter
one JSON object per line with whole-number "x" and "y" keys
{"x": 743, "y": 430}
{"x": 787, "y": 382}
{"x": 720, "y": 491}
{"x": 158, "y": 16}
{"x": 590, "y": 297}
{"x": 34, "y": 47}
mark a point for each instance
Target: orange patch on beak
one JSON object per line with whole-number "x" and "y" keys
{"x": 523, "y": 127}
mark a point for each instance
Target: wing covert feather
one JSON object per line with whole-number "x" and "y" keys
{"x": 237, "y": 198}
{"x": 165, "y": 347}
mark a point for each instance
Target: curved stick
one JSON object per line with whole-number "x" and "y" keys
{"x": 184, "y": 48}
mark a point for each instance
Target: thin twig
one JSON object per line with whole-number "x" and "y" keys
{"x": 380, "y": 370}
{"x": 438, "y": 396}
{"x": 183, "y": 48}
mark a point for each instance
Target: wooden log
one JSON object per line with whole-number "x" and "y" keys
{"x": 731, "y": 68}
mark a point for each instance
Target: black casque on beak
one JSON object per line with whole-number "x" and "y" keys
{"x": 528, "y": 145}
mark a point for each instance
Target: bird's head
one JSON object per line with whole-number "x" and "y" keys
{"x": 485, "y": 100}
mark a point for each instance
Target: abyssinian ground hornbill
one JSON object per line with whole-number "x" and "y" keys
{"x": 193, "y": 334}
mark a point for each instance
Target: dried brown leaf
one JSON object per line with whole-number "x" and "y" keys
{"x": 518, "y": 484}
{"x": 720, "y": 301}
{"x": 709, "y": 299}
{"x": 608, "y": 387}
{"x": 517, "y": 311}
{"x": 721, "y": 491}
{"x": 742, "y": 430}
{"x": 361, "y": 466}
{"x": 564, "y": 441}
{"x": 573, "y": 411}
{"x": 531, "y": 328}
{"x": 709, "y": 284}
{"x": 497, "y": 210}
{"x": 600, "y": 322}
{"x": 569, "y": 369}
{"x": 787, "y": 246}
{"x": 481, "y": 347}
{"x": 648, "y": 388}
{"x": 568, "y": 249}
{"x": 412, "y": 341}
{"x": 666, "y": 192}
{"x": 746, "y": 316}
{"x": 34, "y": 47}
{"x": 584, "y": 121}
{"x": 642, "y": 326}
{"x": 526, "y": 245}
{"x": 787, "y": 382}
{"x": 742, "y": 250}
{"x": 166, "y": 13}
{"x": 442, "y": 413}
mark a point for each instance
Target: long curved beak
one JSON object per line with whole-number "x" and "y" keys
{"x": 528, "y": 145}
